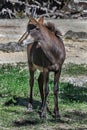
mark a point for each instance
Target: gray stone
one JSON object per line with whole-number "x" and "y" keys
{"x": 11, "y": 47}
{"x": 75, "y": 35}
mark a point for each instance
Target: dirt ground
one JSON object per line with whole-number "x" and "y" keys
{"x": 76, "y": 51}
{"x": 11, "y": 31}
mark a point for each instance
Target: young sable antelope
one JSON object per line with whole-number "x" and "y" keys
{"x": 46, "y": 52}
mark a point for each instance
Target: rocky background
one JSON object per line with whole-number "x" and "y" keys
{"x": 48, "y": 8}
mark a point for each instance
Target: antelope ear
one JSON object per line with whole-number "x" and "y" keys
{"x": 41, "y": 20}
{"x": 33, "y": 21}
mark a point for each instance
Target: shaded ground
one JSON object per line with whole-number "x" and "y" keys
{"x": 14, "y": 101}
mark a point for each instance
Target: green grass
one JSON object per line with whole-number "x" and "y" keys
{"x": 14, "y": 90}
{"x": 74, "y": 69}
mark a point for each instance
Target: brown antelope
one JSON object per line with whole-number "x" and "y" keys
{"x": 46, "y": 52}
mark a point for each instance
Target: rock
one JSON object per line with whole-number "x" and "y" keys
{"x": 76, "y": 35}
{"x": 18, "y": 8}
{"x": 11, "y": 47}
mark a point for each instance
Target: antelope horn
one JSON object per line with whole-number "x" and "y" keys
{"x": 33, "y": 12}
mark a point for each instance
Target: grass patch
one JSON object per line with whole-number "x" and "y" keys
{"x": 14, "y": 91}
{"x": 72, "y": 93}
{"x": 13, "y": 81}
{"x": 74, "y": 69}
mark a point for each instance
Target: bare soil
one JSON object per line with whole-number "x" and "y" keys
{"x": 76, "y": 51}
{"x": 11, "y": 31}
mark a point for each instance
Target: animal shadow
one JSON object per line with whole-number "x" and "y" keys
{"x": 19, "y": 101}
{"x": 25, "y": 122}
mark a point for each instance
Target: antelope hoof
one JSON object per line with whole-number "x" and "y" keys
{"x": 43, "y": 115}
{"x": 57, "y": 118}
{"x": 30, "y": 108}
{"x": 57, "y": 115}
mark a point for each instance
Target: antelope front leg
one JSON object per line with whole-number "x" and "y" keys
{"x": 45, "y": 92}
{"x": 31, "y": 89}
{"x": 40, "y": 84}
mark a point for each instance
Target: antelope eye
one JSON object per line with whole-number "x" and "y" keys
{"x": 37, "y": 28}
{"x": 31, "y": 27}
